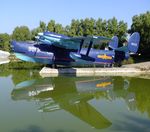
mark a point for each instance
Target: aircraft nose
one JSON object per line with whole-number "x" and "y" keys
{"x": 18, "y": 46}
{"x": 13, "y": 43}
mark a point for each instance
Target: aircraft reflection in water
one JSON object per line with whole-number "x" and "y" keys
{"x": 73, "y": 95}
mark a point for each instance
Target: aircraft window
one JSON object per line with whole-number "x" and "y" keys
{"x": 86, "y": 43}
{"x": 103, "y": 46}
{"x": 98, "y": 44}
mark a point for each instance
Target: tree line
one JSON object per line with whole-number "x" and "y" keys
{"x": 84, "y": 27}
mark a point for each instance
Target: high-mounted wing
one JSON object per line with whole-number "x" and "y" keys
{"x": 66, "y": 42}
{"x": 59, "y": 40}
{"x": 83, "y": 58}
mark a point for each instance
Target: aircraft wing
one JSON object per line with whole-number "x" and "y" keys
{"x": 66, "y": 42}
{"x": 91, "y": 40}
{"x": 59, "y": 40}
{"x": 70, "y": 43}
{"x": 100, "y": 39}
{"x": 76, "y": 42}
{"x": 97, "y": 39}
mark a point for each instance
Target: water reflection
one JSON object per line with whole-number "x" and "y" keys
{"x": 106, "y": 103}
{"x": 74, "y": 95}
{"x": 66, "y": 93}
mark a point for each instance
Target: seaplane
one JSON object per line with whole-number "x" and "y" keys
{"x": 57, "y": 49}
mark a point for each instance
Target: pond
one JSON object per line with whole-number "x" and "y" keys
{"x": 30, "y": 103}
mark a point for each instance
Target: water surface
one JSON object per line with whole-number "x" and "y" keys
{"x": 31, "y": 103}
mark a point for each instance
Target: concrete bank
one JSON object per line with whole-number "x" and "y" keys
{"x": 123, "y": 71}
{"x": 4, "y": 60}
{"x": 4, "y": 57}
{"x": 143, "y": 66}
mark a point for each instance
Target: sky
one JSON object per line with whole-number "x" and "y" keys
{"x": 30, "y": 12}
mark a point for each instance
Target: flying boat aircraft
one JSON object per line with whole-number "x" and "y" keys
{"x": 56, "y": 49}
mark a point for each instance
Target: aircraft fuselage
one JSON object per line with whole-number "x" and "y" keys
{"x": 50, "y": 54}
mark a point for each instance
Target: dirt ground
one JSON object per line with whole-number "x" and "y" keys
{"x": 142, "y": 65}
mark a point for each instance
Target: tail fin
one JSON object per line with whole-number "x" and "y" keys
{"x": 133, "y": 42}
{"x": 114, "y": 43}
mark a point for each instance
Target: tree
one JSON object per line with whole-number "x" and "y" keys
{"x": 122, "y": 29}
{"x": 88, "y": 26}
{"x": 59, "y": 28}
{"x": 35, "y": 32}
{"x": 74, "y": 27}
{"x": 66, "y": 30}
{"x": 21, "y": 33}
{"x": 141, "y": 24}
{"x": 4, "y": 43}
{"x": 99, "y": 27}
{"x": 104, "y": 28}
{"x": 78, "y": 27}
{"x": 42, "y": 26}
{"x": 51, "y": 26}
{"x": 112, "y": 26}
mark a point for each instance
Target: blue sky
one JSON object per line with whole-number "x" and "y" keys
{"x": 29, "y": 12}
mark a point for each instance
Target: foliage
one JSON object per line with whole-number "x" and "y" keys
{"x": 78, "y": 27}
{"x": 141, "y": 24}
{"x": 73, "y": 28}
{"x": 97, "y": 27}
{"x": 141, "y": 93}
{"x": 51, "y": 26}
{"x": 21, "y": 33}
{"x": 4, "y": 43}
{"x": 35, "y": 32}
{"x": 42, "y": 26}
{"x": 25, "y": 70}
{"x": 129, "y": 61}
{"x": 85, "y": 27}
{"x": 59, "y": 29}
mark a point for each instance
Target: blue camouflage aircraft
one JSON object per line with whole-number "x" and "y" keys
{"x": 56, "y": 49}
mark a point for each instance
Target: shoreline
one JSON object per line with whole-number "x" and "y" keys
{"x": 131, "y": 70}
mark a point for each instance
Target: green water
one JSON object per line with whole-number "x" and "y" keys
{"x": 30, "y": 103}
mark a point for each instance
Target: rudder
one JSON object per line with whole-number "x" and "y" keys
{"x": 133, "y": 43}
{"x": 114, "y": 43}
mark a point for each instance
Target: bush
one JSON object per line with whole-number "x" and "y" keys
{"x": 129, "y": 61}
